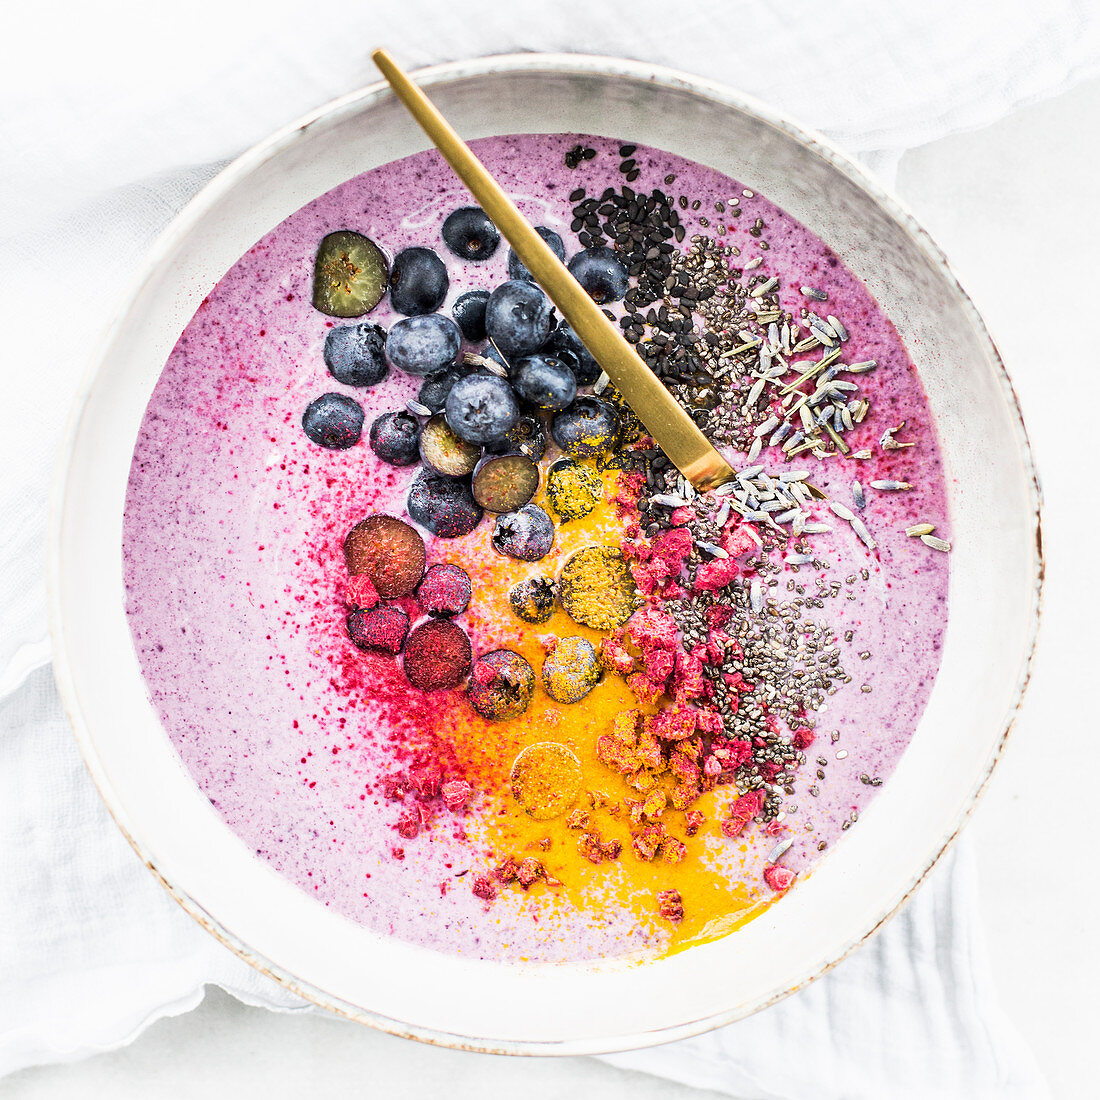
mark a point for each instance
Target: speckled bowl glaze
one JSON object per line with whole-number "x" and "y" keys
{"x": 564, "y": 1009}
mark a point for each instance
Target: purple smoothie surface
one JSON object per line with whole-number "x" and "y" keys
{"x": 234, "y": 525}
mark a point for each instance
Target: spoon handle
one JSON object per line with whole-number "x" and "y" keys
{"x": 663, "y": 416}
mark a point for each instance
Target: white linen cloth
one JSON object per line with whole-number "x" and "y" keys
{"x": 112, "y": 121}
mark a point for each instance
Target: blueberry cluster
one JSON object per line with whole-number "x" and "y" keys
{"x": 479, "y": 424}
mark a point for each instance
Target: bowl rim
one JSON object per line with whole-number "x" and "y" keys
{"x": 449, "y": 72}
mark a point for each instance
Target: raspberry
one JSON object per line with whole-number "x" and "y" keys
{"x": 528, "y": 871}
{"x": 425, "y": 782}
{"x": 395, "y": 787}
{"x": 507, "y": 871}
{"x": 802, "y": 738}
{"x": 485, "y": 888}
{"x": 381, "y": 629}
{"x": 388, "y": 551}
{"x": 748, "y": 805}
{"x": 456, "y": 795}
{"x": 670, "y": 905}
{"x": 716, "y": 574}
{"x": 360, "y": 594}
{"x": 779, "y": 878}
{"x": 444, "y": 590}
{"x": 437, "y": 655}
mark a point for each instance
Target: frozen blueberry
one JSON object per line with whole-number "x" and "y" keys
{"x": 395, "y": 438}
{"x": 527, "y": 534}
{"x": 481, "y": 408}
{"x": 567, "y": 346}
{"x": 469, "y": 233}
{"x": 502, "y": 685}
{"x": 333, "y": 421}
{"x": 517, "y": 317}
{"x": 601, "y": 273}
{"x": 589, "y": 427}
{"x": 544, "y": 380}
{"x": 444, "y": 505}
{"x": 571, "y": 671}
{"x": 356, "y": 354}
{"x": 433, "y": 393}
{"x": 444, "y": 590}
{"x": 421, "y": 345}
{"x": 381, "y": 629}
{"x": 532, "y": 600}
{"x": 516, "y": 267}
{"x": 528, "y": 437}
{"x": 490, "y": 352}
{"x": 469, "y": 312}
{"x": 418, "y": 281}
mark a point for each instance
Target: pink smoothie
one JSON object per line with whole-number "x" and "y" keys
{"x": 234, "y": 571}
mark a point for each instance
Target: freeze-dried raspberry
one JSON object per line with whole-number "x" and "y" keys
{"x": 395, "y": 787}
{"x": 360, "y": 593}
{"x": 716, "y": 574}
{"x": 670, "y": 905}
{"x": 456, "y": 795}
{"x": 673, "y": 850}
{"x": 528, "y": 872}
{"x": 779, "y": 878}
{"x": 802, "y": 738}
{"x": 506, "y": 872}
{"x": 425, "y": 782}
{"x": 484, "y": 888}
{"x": 647, "y": 843}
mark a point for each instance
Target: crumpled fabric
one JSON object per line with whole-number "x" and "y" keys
{"x": 134, "y": 119}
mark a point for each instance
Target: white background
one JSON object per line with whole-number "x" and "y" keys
{"x": 1014, "y": 208}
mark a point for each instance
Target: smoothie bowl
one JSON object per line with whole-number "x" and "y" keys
{"x": 406, "y": 660}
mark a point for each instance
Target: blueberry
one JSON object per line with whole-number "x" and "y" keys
{"x": 444, "y": 505}
{"x": 571, "y": 671}
{"x": 532, "y": 600}
{"x": 349, "y": 274}
{"x": 527, "y": 534}
{"x": 469, "y": 312}
{"x": 469, "y": 233}
{"x": 567, "y": 346}
{"x": 356, "y": 354}
{"x": 490, "y": 352}
{"x": 528, "y": 437}
{"x": 517, "y": 317}
{"x": 395, "y": 438}
{"x": 545, "y": 381}
{"x": 333, "y": 421}
{"x": 516, "y": 267}
{"x": 588, "y": 427}
{"x": 601, "y": 273}
{"x": 418, "y": 281}
{"x": 481, "y": 408}
{"x": 420, "y": 345}
{"x": 433, "y": 393}
{"x": 502, "y": 685}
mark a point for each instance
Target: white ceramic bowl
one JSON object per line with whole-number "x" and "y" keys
{"x": 995, "y": 578}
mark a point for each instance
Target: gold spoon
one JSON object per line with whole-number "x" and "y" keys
{"x": 663, "y": 416}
